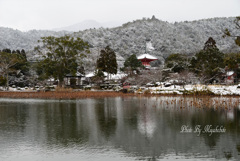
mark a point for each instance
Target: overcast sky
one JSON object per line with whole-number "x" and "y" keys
{"x": 47, "y": 14}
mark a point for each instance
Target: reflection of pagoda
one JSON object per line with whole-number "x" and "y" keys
{"x": 147, "y": 58}
{"x": 146, "y": 123}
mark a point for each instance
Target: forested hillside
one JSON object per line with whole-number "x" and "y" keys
{"x": 130, "y": 38}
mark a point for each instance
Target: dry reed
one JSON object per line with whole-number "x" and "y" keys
{"x": 63, "y": 94}
{"x": 62, "y": 89}
{"x": 197, "y": 101}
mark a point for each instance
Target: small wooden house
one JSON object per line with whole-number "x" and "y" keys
{"x": 74, "y": 80}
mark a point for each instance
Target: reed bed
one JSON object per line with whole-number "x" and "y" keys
{"x": 179, "y": 101}
{"x": 64, "y": 94}
{"x": 215, "y": 102}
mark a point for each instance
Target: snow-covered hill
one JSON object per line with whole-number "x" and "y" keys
{"x": 130, "y": 38}
{"x": 167, "y": 38}
{"x": 15, "y": 39}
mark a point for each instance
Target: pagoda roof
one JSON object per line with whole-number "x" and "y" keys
{"x": 146, "y": 56}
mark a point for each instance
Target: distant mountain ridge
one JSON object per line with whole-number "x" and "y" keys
{"x": 87, "y": 24}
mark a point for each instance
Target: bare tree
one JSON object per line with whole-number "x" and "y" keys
{"x": 7, "y": 61}
{"x": 187, "y": 77}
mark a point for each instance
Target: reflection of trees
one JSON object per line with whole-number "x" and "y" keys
{"x": 208, "y": 117}
{"x": 13, "y": 117}
{"x": 211, "y": 141}
{"x": 130, "y": 111}
{"x": 61, "y": 124}
{"x": 233, "y": 125}
{"x": 238, "y": 148}
{"x": 106, "y": 117}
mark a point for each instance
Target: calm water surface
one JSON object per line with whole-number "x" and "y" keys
{"x": 115, "y": 129}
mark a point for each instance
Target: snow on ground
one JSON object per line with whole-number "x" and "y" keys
{"x": 225, "y": 90}
{"x": 216, "y": 89}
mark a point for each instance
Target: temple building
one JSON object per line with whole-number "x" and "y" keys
{"x": 146, "y": 59}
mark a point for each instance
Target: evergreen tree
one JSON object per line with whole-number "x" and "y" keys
{"x": 18, "y": 51}
{"x": 132, "y": 63}
{"x": 208, "y": 62}
{"x": 107, "y": 61}
{"x": 23, "y": 53}
{"x": 23, "y": 65}
{"x": 210, "y": 44}
{"x": 7, "y": 51}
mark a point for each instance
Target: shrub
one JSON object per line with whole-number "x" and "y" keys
{"x": 124, "y": 90}
{"x": 148, "y": 91}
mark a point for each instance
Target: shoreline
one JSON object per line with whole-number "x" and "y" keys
{"x": 91, "y": 94}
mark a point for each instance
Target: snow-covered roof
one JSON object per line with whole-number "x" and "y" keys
{"x": 51, "y": 80}
{"x": 147, "y": 56}
{"x": 118, "y": 76}
{"x": 230, "y": 73}
{"x": 89, "y": 75}
{"x": 77, "y": 74}
{"x": 113, "y": 76}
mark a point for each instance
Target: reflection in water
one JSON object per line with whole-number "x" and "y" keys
{"x": 118, "y": 129}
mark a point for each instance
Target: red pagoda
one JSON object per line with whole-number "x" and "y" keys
{"x": 146, "y": 59}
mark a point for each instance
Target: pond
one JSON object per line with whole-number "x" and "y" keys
{"x": 115, "y": 129}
